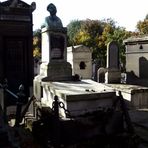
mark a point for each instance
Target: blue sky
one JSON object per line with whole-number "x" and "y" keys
{"x": 125, "y": 12}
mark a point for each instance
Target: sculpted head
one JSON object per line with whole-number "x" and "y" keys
{"x": 52, "y": 21}
{"x": 52, "y": 9}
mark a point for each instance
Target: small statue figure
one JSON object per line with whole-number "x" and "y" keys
{"x": 52, "y": 21}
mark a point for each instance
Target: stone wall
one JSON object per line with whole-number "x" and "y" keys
{"x": 132, "y": 60}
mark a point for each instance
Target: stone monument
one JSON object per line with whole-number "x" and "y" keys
{"x": 55, "y": 78}
{"x": 54, "y": 44}
{"x": 113, "y": 74}
{"x": 101, "y": 74}
{"x": 54, "y": 65}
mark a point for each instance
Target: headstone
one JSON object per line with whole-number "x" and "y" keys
{"x": 113, "y": 74}
{"x": 16, "y": 57}
{"x": 95, "y": 66}
{"x": 101, "y": 75}
{"x": 113, "y": 55}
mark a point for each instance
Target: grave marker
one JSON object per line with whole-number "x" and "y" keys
{"x": 113, "y": 74}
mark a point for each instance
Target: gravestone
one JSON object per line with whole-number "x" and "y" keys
{"x": 101, "y": 75}
{"x": 113, "y": 74}
{"x": 16, "y": 59}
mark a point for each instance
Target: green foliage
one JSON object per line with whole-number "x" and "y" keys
{"x": 37, "y": 44}
{"x": 96, "y": 35}
{"x": 142, "y": 26}
{"x": 72, "y": 29}
{"x": 109, "y": 21}
{"x": 91, "y": 28}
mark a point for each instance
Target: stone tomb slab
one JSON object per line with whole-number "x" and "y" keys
{"x": 135, "y": 96}
{"x": 78, "y": 97}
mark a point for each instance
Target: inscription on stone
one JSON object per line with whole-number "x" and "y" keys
{"x": 57, "y": 46}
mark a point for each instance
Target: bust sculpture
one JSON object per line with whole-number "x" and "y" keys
{"x": 52, "y": 21}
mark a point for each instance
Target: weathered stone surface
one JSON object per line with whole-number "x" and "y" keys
{"x": 58, "y": 71}
{"x": 54, "y": 55}
{"x": 113, "y": 74}
{"x": 54, "y": 39}
{"x": 137, "y": 55}
{"x": 101, "y": 75}
{"x": 135, "y": 96}
{"x": 80, "y": 57}
{"x": 78, "y": 96}
{"x": 113, "y": 55}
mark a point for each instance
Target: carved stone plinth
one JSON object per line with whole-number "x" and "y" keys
{"x": 56, "y": 71}
{"x": 113, "y": 76}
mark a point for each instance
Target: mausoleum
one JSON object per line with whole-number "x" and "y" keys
{"x": 16, "y": 57}
{"x": 80, "y": 57}
{"x": 137, "y": 56}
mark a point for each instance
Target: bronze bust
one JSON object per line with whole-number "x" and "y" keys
{"x": 52, "y": 21}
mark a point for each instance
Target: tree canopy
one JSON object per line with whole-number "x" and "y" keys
{"x": 142, "y": 26}
{"x": 37, "y": 44}
{"x": 96, "y": 34}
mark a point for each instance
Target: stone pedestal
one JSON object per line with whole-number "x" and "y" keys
{"x": 54, "y": 65}
{"x": 113, "y": 76}
{"x": 54, "y": 44}
{"x": 57, "y": 71}
{"x": 54, "y": 55}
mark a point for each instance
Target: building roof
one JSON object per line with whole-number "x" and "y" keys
{"x": 79, "y": 48}
{"x": 141, "y": 39}
{"x": 17, "y": 4}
